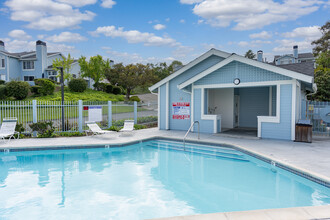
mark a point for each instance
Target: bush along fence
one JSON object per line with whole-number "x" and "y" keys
{"x": 318, "y": 112}
{"x": 76, "y": 113}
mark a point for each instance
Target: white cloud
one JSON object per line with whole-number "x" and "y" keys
{"x": 78, "y": 3}
{"x": 159, "y": 27}
{"x": 60, "y": 48}
{"x": 19, "y": 34}
{"x": 128, "y": 58}
{"x": 200, "y": 21}
{"x": 243, "y": 43}
{"x": 182, "y": 21}
{"x": 207, "y": 46}
{"x": 190, "y": 2}
{"x": 167, "y": 19}
{"x": 108, "y": 3}
{"x": 41, "y": 36}
{"x": 182, "y": 51}
{"x": 251, "y": 14}
{"x": 285, "y": 46}
{"x": 47, "y": 14}
{"x": 309, "y": 33}
{"x": 134, "y": 36}
{"x": 261, "y": 35}
{"x": 67, "y": 37}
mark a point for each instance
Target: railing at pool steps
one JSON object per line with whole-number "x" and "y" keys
{"x": 184, "y": 138}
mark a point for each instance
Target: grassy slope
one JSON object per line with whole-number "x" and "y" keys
{"x": 88, "y": 95}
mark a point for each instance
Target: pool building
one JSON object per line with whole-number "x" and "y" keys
{"x": 225, "y": 91}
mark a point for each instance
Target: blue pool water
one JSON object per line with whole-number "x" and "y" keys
{"x": 146, "y": 180}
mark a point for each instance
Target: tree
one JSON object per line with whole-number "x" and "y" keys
{"x": 162, "y": 70}
{"x": 322, "y": 44}
{"x": 94, "y": 68}
{"x": 322, "y": 77}
{"x": 129, "y": 76}
{"x": 65, "y": 63}
{"x": 249, "y": 54}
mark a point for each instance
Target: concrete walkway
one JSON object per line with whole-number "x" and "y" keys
{"x": 313, "y": 158}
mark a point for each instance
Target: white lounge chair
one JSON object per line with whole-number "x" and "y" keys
{"x": 128, "y": 126}
{"x": 7, "y": 129}
{"x": 95, "y": 129}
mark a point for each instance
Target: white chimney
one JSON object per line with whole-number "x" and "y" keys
{"x": 260, "y": 55}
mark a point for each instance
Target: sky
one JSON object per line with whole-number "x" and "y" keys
{"x": 152, "y": 31}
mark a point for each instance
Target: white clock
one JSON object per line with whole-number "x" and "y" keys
{"x": 237, "y": 81}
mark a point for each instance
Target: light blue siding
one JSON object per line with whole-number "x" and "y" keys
{"x": 177, "y": 95}
{"x": 246, "y": 73}
{"x": 52, "y": 58}
{"x": 3, "y": 71}
{"x": 253, "y": 102}
{"x": 273, "y": 100}
{"x": 162, "y": 108}
{"x": 206, "y": 126}
{"x": 280, "y": 130}
{"x": 15, "y": 70}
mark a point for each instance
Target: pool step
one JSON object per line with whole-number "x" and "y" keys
{"x": 201, "y": 147}
{"x": 197, "y": 145}
{"x": 200, "y": 150}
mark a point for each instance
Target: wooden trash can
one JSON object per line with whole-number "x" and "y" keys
{"x": 304, "y": 131}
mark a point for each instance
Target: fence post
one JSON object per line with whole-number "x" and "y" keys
{"x": 109, "y": 114}
{"x": 34, "y": 114}
{"x": 135, "y": 112}
{"x": 80, "y": 115}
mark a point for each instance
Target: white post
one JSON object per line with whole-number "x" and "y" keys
{"x": 80, "y": 115}
{"x": 109, "y": 114}
{"x": 34, "y": 114}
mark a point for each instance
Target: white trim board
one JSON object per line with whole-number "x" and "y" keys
{"x": 167, "y": 98}
{"x": 293, "y": 110}
{"x": 190, "y": 65}
{"x": 248, "y": 84}
{"x": 215, "y": 118}
{"x": 158, "y": 113}
{"x": 265, "y": 66}
{"x": 271, "y": 119}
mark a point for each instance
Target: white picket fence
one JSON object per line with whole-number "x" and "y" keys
{"x": 75, "y": 116}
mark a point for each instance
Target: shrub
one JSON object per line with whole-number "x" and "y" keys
{"x": 17, "y": 89}
{"x": 134, "y": 99}
{"x": 138, "y": 127}
{"x": 2, "y": 91}
{"x": 45, "y": 129}
{"x": 77, "y": 85}
{"x": 114, "y": 128}
{"x": 47, "y": 87}
{"x": 2, "y": 82}
{"x": 71, "y": 134}
{"x": 35, "y": 89}
{"x": 108, "y": 88}
{"x": 116, "y": 90}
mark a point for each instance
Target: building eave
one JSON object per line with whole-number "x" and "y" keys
{"x": 265, "y": 66}
{"x": 190, "y": 65}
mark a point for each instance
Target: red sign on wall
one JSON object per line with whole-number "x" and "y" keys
{"x": 181, "y": 110}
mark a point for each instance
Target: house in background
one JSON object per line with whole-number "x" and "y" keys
{"x": 27, "y": 66}
{"x": 295, "y": 57}
{"x": 224, "y": 91}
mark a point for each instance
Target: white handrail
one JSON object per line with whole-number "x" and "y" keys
{"x": 184, "y": 138}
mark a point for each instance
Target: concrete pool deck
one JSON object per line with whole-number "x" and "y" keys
{"x": 312, "y": 158}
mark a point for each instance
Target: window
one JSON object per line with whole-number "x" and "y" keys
{"x": 28, "y": 78}
{"x": 2, "y": 63}
{"x": 3, "y": 77}
{"x": 54, "y": 78}
{"x": 28, "y": 65}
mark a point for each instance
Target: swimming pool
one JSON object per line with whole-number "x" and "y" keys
{"x": 155, "y": 178}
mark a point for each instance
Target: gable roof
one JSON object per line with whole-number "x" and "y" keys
{"x": 190, "y": 65}
{"x": 27, "y": 55}
{"x": 265, "y": 66}
{"x": 306, "y": 68}
{"x": 300, "y": 56}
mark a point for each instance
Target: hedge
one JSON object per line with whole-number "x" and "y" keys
{"x": 77, "y": 85}
{"x": 17, "y": 89}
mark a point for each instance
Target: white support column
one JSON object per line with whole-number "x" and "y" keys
{"x": 158, "y": 125}
{"x": 293, "y": 109}
{"x": 167, "y": 106}
{"x": 270, "y": 100}
{"x": 192, "y": 106}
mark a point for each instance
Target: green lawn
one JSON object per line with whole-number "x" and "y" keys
{"x": 88, "y": 95}
{"x": 25, "y": 114}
